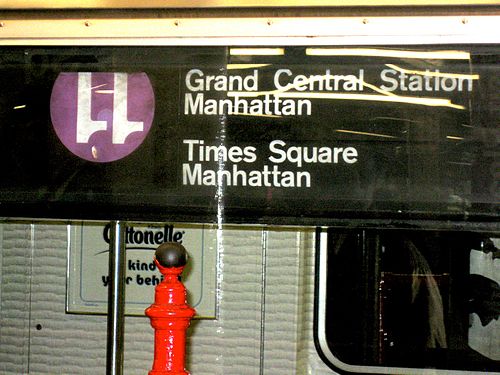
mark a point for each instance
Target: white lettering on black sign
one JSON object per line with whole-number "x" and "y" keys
{"x": 292, "y": 92}
{"x": 198, "y": 172}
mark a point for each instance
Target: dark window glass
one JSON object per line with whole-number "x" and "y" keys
{"x": 308, "y": 133}
{"x": 412, "y": 299}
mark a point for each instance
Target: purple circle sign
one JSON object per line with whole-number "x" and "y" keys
{"x": 102, "y": 117}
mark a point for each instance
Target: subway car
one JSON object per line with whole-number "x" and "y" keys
{"x": 332, "y": 170}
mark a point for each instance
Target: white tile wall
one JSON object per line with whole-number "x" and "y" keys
{"x": 264, "y": 326}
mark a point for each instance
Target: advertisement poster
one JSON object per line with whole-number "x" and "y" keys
{"x": 87, "y": 290}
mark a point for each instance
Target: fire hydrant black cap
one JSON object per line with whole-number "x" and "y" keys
{"x": 171, "y": 254}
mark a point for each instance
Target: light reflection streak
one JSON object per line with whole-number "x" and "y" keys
{"x": 432, "y": 102}
{"x": 98, "y": 86}
{"x": 384, "y": 97}
{"x": 253, "y": 114}
{"x": 374, "y": 52}
{"x": 433, "y": 74}
{"x": 102, "y": 91}
{"x": 364, "y": 133}
{"x": 257, "y": 51}
{"x": 245, "y": 66}
{"x": 400, "y": 119}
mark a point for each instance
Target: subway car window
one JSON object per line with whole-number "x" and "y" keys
{"x": 409, "y": 299}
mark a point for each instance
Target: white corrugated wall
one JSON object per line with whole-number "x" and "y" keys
{"x": 264, "y": 324}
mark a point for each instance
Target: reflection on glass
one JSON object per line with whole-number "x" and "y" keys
{"x": 423, "y": 122}
{"x": 257, "y": 51}
{"x": 484, "y": 329}
{"x": 413, "y": 298}
{"x": 378, "y": 52}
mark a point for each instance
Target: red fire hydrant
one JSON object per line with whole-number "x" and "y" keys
{"x": 170, "y": 315}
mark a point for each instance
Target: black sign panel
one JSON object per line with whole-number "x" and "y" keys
{"x": 284, "y": 135}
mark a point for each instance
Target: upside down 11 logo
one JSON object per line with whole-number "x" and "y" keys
{"x": 102, "y": 117}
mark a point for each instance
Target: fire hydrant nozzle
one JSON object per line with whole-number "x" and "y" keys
{"x": 170, "y": 315}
